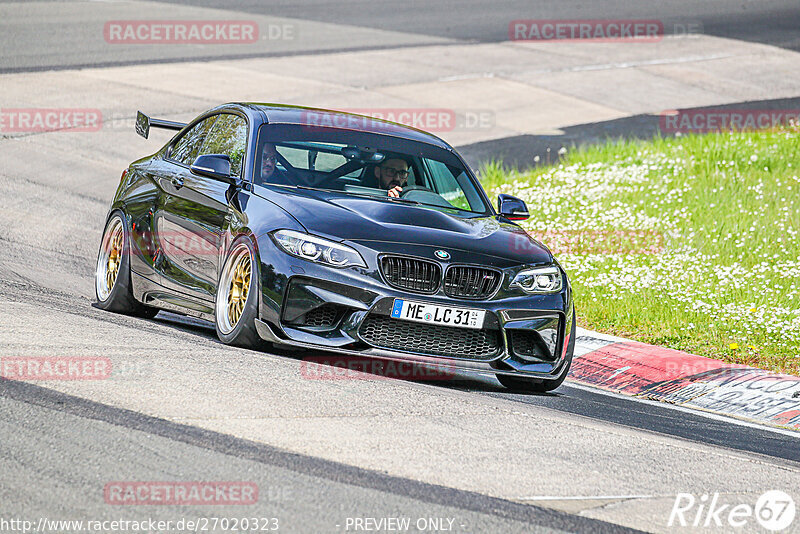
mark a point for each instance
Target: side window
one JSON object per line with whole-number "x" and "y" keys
{"x": 186, "y": 149}
{"x": 228, "y": 136}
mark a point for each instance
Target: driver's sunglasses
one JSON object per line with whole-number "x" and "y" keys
{"x": 391, "y": 172}
{"x": 271, "y": 159}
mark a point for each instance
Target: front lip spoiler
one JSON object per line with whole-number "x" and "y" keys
{"x": 482, "y": 368}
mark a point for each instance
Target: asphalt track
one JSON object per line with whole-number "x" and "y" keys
{"x": 773, "y": 22}
{"x": 35, "y": 40}
{"x": 578, "y": 460}
{"x": 81, "y": 440}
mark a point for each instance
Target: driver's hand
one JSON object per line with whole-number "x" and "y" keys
{"x": 395, "y": 191}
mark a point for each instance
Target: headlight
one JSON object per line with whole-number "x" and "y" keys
{"x": 314, "y": 248}
{"x": 538, "y": 280}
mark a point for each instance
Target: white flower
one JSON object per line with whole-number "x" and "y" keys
{"x": 655, "y": 192}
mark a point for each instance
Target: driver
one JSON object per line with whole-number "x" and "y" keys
{"x": 270, "y": 173}
{"x": 392, "y": 175}
{"x": 269, "y": 158}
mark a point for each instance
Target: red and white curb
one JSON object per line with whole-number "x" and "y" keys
{"x": 668, "y": 375}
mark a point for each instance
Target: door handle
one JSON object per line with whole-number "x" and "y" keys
{"x": 177, "y": 182}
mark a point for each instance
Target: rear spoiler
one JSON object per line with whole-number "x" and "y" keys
{"x": 143, "y": 124}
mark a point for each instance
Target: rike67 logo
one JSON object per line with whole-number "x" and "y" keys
{"x": 774, "y": 511}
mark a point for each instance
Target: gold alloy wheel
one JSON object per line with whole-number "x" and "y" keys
{"x": 114, "y": 259}
{"x": 109, "y": 260}
{"x": 239, "y": 289}
{"x": 234, "y": 287}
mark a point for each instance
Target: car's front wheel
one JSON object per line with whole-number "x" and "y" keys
{"x": 113, "y": 272}
{"x": 236, "y": 307}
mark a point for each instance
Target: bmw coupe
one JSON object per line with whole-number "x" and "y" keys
{"x": 288, "y": 226}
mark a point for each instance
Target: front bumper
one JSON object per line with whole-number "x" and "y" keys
{"x": 345, "y": 305}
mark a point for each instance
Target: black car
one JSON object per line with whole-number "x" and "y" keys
{"x": 319, "y": 229}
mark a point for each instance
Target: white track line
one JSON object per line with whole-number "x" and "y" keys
{"x": 588, "y": 497}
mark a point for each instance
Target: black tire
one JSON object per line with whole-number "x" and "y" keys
{"x": 120, "y": 297}
{"x": 532, "y": 385}
{"x": 241, "y": 332}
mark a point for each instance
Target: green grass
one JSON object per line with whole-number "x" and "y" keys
{"x": 689, "y": 242}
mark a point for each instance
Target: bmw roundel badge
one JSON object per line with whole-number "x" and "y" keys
{"x": 442, "y": 254}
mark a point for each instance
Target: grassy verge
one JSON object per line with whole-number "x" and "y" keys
{"x": 687, "y": 242}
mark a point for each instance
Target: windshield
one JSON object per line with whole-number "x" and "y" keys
{"x": 365, "y": 164}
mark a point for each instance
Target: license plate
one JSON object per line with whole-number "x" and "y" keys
{"x": 435, "y": 314}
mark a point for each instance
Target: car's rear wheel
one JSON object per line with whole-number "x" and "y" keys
{"x": 236, "y": 307}
{"x": 113, "y": 272}
{"x": 532, "y": 385}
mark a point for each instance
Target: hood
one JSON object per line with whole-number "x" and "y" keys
{"x": 339, "y": 216}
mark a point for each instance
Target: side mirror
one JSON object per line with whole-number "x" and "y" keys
{"x": 216, "y": 166}
{"x": 512, "y": 208}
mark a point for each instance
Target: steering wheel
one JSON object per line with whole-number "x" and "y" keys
{"x": 411, "y": 188}
{"x": 424, "y": 195}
